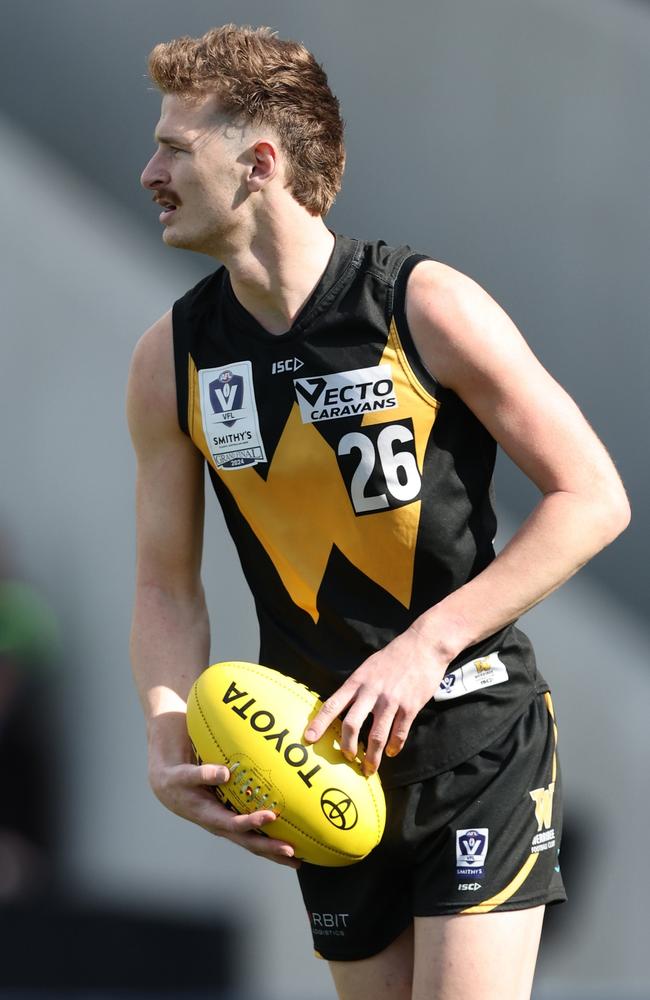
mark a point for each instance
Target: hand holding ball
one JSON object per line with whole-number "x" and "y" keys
{"x": 252, "y": 719}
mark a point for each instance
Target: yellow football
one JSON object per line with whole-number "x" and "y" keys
{"x": 252, "y": 719}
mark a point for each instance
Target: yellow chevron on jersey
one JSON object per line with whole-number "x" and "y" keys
{"x": 304, "y": 475}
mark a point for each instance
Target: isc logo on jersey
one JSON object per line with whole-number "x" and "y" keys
{"x": 345, "y": 394}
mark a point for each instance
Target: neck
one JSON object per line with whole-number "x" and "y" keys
{"x": 277, "y": 269}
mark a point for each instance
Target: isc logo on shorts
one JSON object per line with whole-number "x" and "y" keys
{"x": 345, "y": 394}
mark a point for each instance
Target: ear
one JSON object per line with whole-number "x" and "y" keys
{"x": 263, "y": 166}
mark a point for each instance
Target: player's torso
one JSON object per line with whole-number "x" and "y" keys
{"x": 356, "y": 490}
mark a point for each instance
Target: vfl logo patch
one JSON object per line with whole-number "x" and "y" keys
{"x": 227, "y": 395}
{"x": 446, "y": 686}
{"x": 339, "y": 809}
{"x": 471, "y": 851}
{"x": 229, "y": 415}
{"x": 472, "y": 676}
{"x": 345, "y": 394}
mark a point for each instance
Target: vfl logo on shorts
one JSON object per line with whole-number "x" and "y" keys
{"x": 471, "y": 851}
{"x": 345, "y": 394}
{"x": 339, "y": 809}
{"x": 229, "y": 415}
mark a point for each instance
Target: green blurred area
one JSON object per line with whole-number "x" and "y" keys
{"x": 29, "y": 631}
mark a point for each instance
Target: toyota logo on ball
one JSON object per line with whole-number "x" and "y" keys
{"x": 339, "y": 809}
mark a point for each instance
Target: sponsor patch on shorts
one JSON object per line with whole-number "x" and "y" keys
{"x": 480, "y": 673}
{"x": 328, "y": 924}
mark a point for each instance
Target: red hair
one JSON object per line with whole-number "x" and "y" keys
{"x": 259, "y": 77}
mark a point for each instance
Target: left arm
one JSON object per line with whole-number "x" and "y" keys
{"x": 473, "y": 348}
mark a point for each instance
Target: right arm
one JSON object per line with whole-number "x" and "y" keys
{"x": 170, "y": 636}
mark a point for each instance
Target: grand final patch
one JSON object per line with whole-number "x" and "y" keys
{"x": 229, "y": 414}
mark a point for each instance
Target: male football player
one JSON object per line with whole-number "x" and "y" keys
{"x": 347, "y": 398}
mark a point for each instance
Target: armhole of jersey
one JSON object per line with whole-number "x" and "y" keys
{"x": 424, "y": 376}
{"x": 181, "y": 366}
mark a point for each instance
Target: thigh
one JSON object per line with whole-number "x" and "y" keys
{"x": 488, "y": 955}
{"x": 386, "y": 976}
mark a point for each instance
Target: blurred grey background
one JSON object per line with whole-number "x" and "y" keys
{"x": 507, "y": 138}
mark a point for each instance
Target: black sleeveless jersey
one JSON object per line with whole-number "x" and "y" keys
{"x": 357, "y": 490}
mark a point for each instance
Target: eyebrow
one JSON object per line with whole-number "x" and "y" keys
{"x": 171, "y": 140}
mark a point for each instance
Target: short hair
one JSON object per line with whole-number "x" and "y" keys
{"x": 260, "y": 78}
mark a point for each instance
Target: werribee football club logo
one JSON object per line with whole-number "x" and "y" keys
{"x": 471, "y": 851}
{"x": 229, "y": 413}
{"x": 544, "y": 839}
{"x": 339, "y": 809}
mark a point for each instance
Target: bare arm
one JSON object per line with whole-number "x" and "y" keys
{"x": 170, "y": 637}
{"x": 472, "y": 347}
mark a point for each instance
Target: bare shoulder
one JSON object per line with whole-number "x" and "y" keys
{"x": 472, "y": 346}
{"x": 151, "y": 392}
{"x": 441, "y": 294}
{"x": 458, "y": 328}
{"x": 432, "y": 279}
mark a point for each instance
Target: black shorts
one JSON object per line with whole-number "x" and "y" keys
{"x": 484, "y": 836}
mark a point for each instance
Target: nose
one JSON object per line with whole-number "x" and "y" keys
{"x": 154, "y": 174}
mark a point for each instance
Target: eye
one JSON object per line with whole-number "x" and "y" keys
{"x": 167, "y": 147}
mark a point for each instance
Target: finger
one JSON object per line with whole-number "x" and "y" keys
{"x": 352, "y": 723}
{"x": 377, "y": 739}
{"x": 399, "y": 732}
{"x": 269, "y": 849}
{"x": 172, "y": 784}
{"x": 251, "y": 836}
{"x": 239, "y": 824}
{"x": 328, "y": 712}
{"x": 209, "y": 774}
{"x": 243, "y": 822}
{"x": 193, "y": 775}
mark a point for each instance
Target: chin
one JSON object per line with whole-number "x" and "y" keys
{"x": 171, "y": 237}
{"x": 182, "y": 241}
